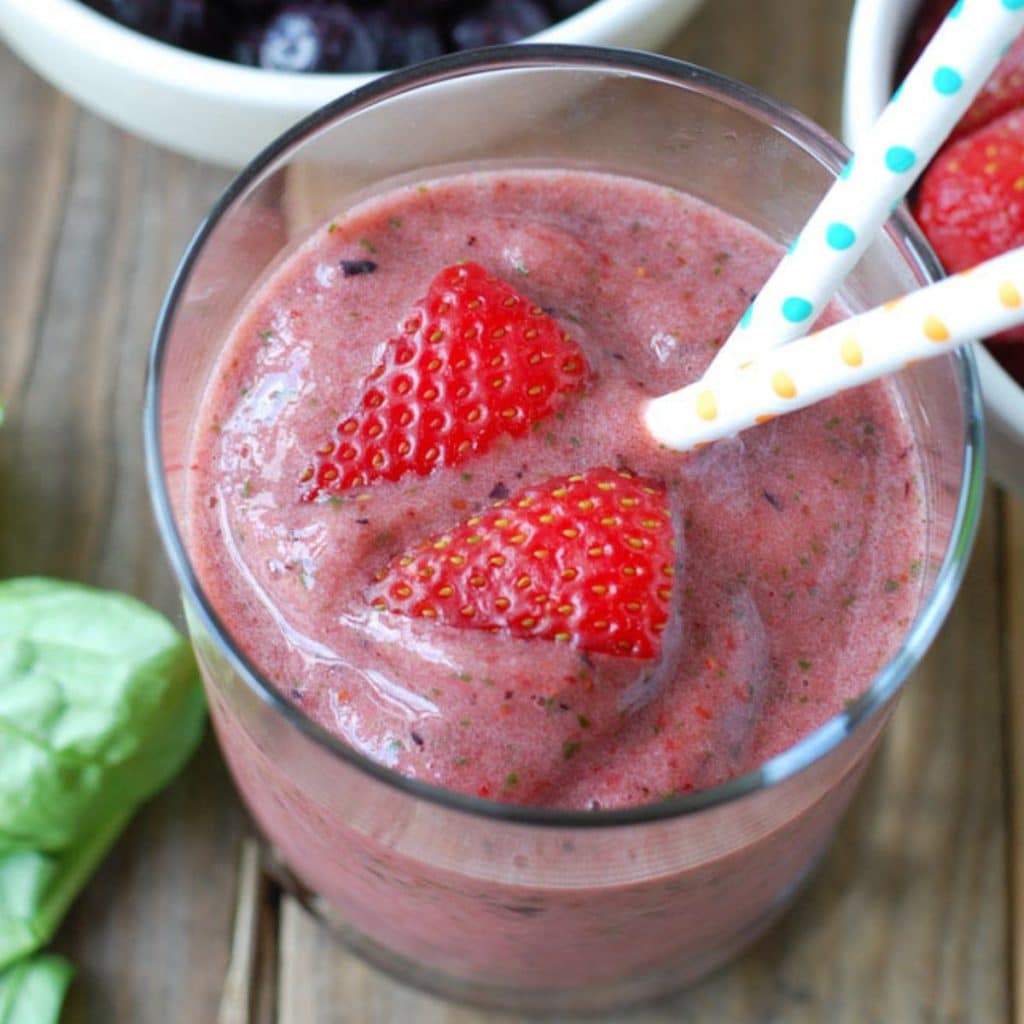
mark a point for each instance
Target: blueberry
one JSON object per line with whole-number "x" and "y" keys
{"x": 309, "y": 37}
{"x": 567, "y": 8}
{"x": 402, "y": 41}
{"x": 245, "y": 48}
{"x": 194, "y": 24}
{"x": 499, "y": 21}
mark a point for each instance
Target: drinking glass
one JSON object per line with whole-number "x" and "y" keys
{"x": 506, "y": 905}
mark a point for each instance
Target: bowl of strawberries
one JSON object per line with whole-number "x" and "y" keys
{"x": 970, "y": 200}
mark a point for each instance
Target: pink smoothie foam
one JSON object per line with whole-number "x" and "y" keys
{"x": 801, "y": 541}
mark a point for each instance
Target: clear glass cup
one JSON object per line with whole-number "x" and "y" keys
{"x": 499, "y": 904}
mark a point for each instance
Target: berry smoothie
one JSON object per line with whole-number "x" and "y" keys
{"x": 781, "y": 567}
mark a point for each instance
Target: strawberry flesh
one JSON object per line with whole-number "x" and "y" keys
{"x": 473, "y": 361}
{"x": 587, "y": 559}
{"x": 1001, "y": 93}
{"x": 971, "y": 201}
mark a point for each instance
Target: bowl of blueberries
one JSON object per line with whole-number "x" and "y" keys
{"x": 970, "y": 200}
{"x": 219, "y": 79}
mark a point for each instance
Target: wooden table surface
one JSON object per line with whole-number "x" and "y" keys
{"x": 916, "y": 915}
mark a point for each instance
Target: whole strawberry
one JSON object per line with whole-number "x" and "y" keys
{"x": 971, "y": 200}
{"x": 587, "y": 559}
{"x": 473, "y": 361}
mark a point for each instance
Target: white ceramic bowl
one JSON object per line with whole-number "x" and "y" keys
{"x": 226, "y": 113}
{"x": 877, "y": 30}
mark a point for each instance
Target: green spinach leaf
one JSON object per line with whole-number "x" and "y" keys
{"x": 99, "y": 707}
{"x": 32, "y": 991}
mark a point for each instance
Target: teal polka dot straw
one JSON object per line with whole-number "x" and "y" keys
{"x": 918, "y": 118}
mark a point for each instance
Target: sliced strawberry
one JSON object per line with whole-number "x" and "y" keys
{"x": 1004, "y": 90}
{"x": 473, "y": 361}
{"x": 587, "y": 559}
{"x": 927, "y": 20}
{"x": 971, "y": 200}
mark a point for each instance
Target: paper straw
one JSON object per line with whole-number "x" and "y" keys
{"x": 920, "y": 325}
{"x": 907, "y": 134}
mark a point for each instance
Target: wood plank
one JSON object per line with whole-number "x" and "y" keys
{"x": 34, "y": 168}
{"x": 1012, "y": 632}
{"x": 93, "y": 224}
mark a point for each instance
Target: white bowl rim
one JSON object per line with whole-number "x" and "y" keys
{"x": 872, "y": 47}
{"x": 176, "y": 67}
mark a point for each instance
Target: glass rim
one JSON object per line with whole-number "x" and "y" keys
{"x": 804, "y": 133}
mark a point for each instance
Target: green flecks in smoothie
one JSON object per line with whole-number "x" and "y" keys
{"x": 368, "y": 246}
{"x": 521, "y": 268}
{"x": 549, "y": 438}
{"x": 804, "y": 664}
{"x": 383, "y": 539}
{"x": 459, "y": 761}
{"x": 575, "y": 442}
{"x": 891, "y": 586}
{"x": 334, "y": 501}
{"x": 570, "y": 748}
{"x": 422, "y": 189}
{"x": 215, "y": 426}
{"x": 394, "y": 222}
{"x": 395, "y": 746}
{"x": 832, "y": 422}
{"x": 247, "y": 488}
{"x": 467, "y": 476}
{"x": 465, "y": 722}
{"x": 266, "y": 335}
{"x": 331, "y": 228}
{"x": 915, "y": 568}
{"x": 243, "y": 391}
{"x": 584, "y": 722}
{"x": 511, "y": 780}
{"x": 465, "y": 677}
{"x": 849, "y": 600}
{"x": 721, "y": 258}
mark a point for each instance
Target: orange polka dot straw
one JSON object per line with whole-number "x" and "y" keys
{"x": 907, "y": 134}
{"x": 923, "y": 324}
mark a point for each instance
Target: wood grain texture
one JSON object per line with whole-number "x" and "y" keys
{"x": 93, "y": 224}
{"x": 910, "y": 918}
{"x": 1012, "y": 633}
